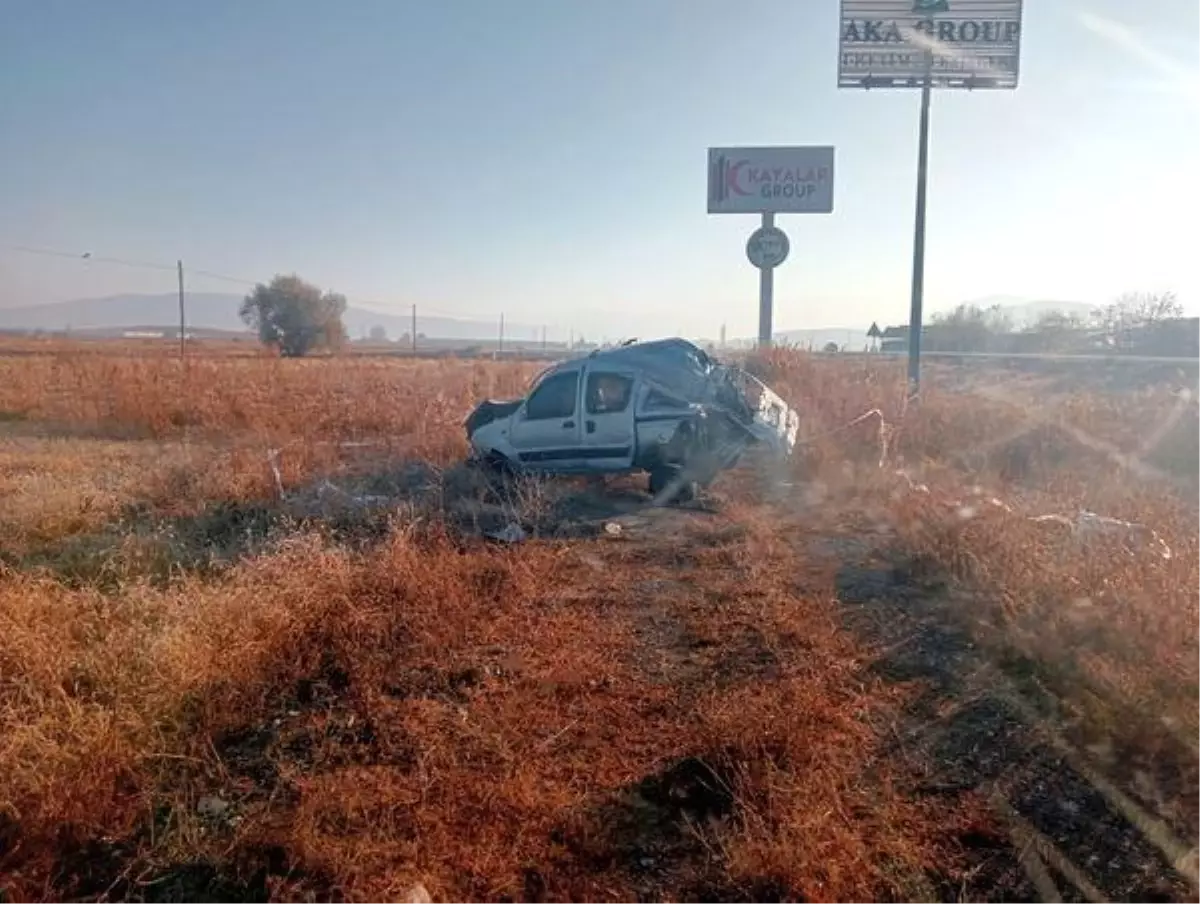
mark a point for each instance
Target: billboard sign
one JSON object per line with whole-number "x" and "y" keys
{"x": 960, "y": 43}
{"x": 770, "y": 180}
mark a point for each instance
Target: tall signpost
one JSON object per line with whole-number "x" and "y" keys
{"x": 927, "y": 44}
{"x": 768, "y": 181}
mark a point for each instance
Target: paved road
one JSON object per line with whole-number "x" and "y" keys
{"x": 1028, "y": 356}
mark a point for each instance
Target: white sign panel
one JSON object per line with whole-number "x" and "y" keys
{"x": 960, "y": 43}
{"x": 770, "y": 180}
{"x": 767, "y": 247}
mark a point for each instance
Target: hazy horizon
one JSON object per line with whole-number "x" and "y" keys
{"x": 160, "y": 310}
{"x": 550, "y": 164}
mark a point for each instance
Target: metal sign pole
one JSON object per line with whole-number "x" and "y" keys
{"x": 977, "y": 44}
{"x": 767, "y": 181}
{"x": 918, "y": 264}
{"x": 766, "y": 291}
{"x": 182, "y": 315}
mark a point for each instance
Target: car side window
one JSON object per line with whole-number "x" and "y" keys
{"x": 608, "y": 393}
{"x": 554, "y": 398}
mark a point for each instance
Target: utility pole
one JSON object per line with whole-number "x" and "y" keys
{"x": 182, "y": 316}
{"x": 543, "y": 338}
{"x": 414, "y": 329}
{"x": 766, "y": 294}
{"x": 915, "y": 313}
{"x": 500, "y": 345}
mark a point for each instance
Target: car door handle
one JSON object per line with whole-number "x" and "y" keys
{"x": 567, "y": 425}
{"x": 591, "y": 426}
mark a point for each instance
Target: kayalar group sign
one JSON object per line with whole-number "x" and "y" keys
{"x": 956, "y": 43}
{"x": 770, "y": 180}
{"x": 767, "y": 181}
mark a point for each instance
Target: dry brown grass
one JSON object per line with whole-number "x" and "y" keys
{"x": 1098, "y": 622}
{"x": 420, "y": 403}
{"x": 88, "y": 435}
{"x": 344, "y": 710}
{"x": 489, "y": 722}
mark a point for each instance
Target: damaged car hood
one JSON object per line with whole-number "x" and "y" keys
{"x": 686, "y": 371}
{"x": 490, "y": 410}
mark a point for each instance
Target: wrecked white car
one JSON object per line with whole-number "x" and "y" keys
{"x": 664, "y": 407}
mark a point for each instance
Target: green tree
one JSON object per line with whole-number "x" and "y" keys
{"x": 295, "y": 315}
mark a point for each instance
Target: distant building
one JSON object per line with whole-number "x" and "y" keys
{"x": 894, "y": 339}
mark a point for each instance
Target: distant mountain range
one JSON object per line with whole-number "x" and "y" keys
{"x": 215, "y": 311}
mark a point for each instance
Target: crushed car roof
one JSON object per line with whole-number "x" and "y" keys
{"x": 675, "y": 365}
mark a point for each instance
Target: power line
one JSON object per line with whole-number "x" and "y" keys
{"x": 91, "y": 258}
{"x": 222, "y": 277}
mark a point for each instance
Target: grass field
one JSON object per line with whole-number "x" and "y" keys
{"x": 255, "y": 643}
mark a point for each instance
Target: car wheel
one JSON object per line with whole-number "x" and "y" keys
{"x": 497, "y": 473}
{"x": 497, "y": 464}
{"x": 664, "y": 478}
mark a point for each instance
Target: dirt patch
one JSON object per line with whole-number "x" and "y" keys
{"x": 353, "y": 510}
{"x": 255, "y": 874}
{"x": 1037, "y": 455}
{"x": 973, "y": 730}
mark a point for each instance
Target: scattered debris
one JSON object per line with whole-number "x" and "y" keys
{"x": 510, "y": 533}
{"x": 273, "y": 464}
{"x": 1086, "y": 525}
{"x": 913, "y": 485}
{"x": 212, "y": 807}
{"x": 416, "y": 894}
{"x": 326, "y": 488}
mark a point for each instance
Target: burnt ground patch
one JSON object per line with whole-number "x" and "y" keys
{"x": 145, "y": 545}
{"x": 254, "y": 875}
{"x": 200, "y": 880}
{"x": 87, "y": 868}
{"x": 353, "y": 510}
{"x": 656, "y": 833}
{"x": 972, "y": 728}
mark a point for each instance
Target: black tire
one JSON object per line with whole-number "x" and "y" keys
{"x": 663, "y": 476}
{"x": 497, "y": 464}
{"x": 498, "y": 475}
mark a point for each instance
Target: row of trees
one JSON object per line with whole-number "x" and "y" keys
{"x": 296, "y": 317}
{"x": 1136, "y": 323}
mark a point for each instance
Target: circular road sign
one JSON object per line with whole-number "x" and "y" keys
{"x": 768, "y": 247}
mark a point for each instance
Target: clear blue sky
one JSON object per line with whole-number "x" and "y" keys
{"x": 547, "y": 157}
